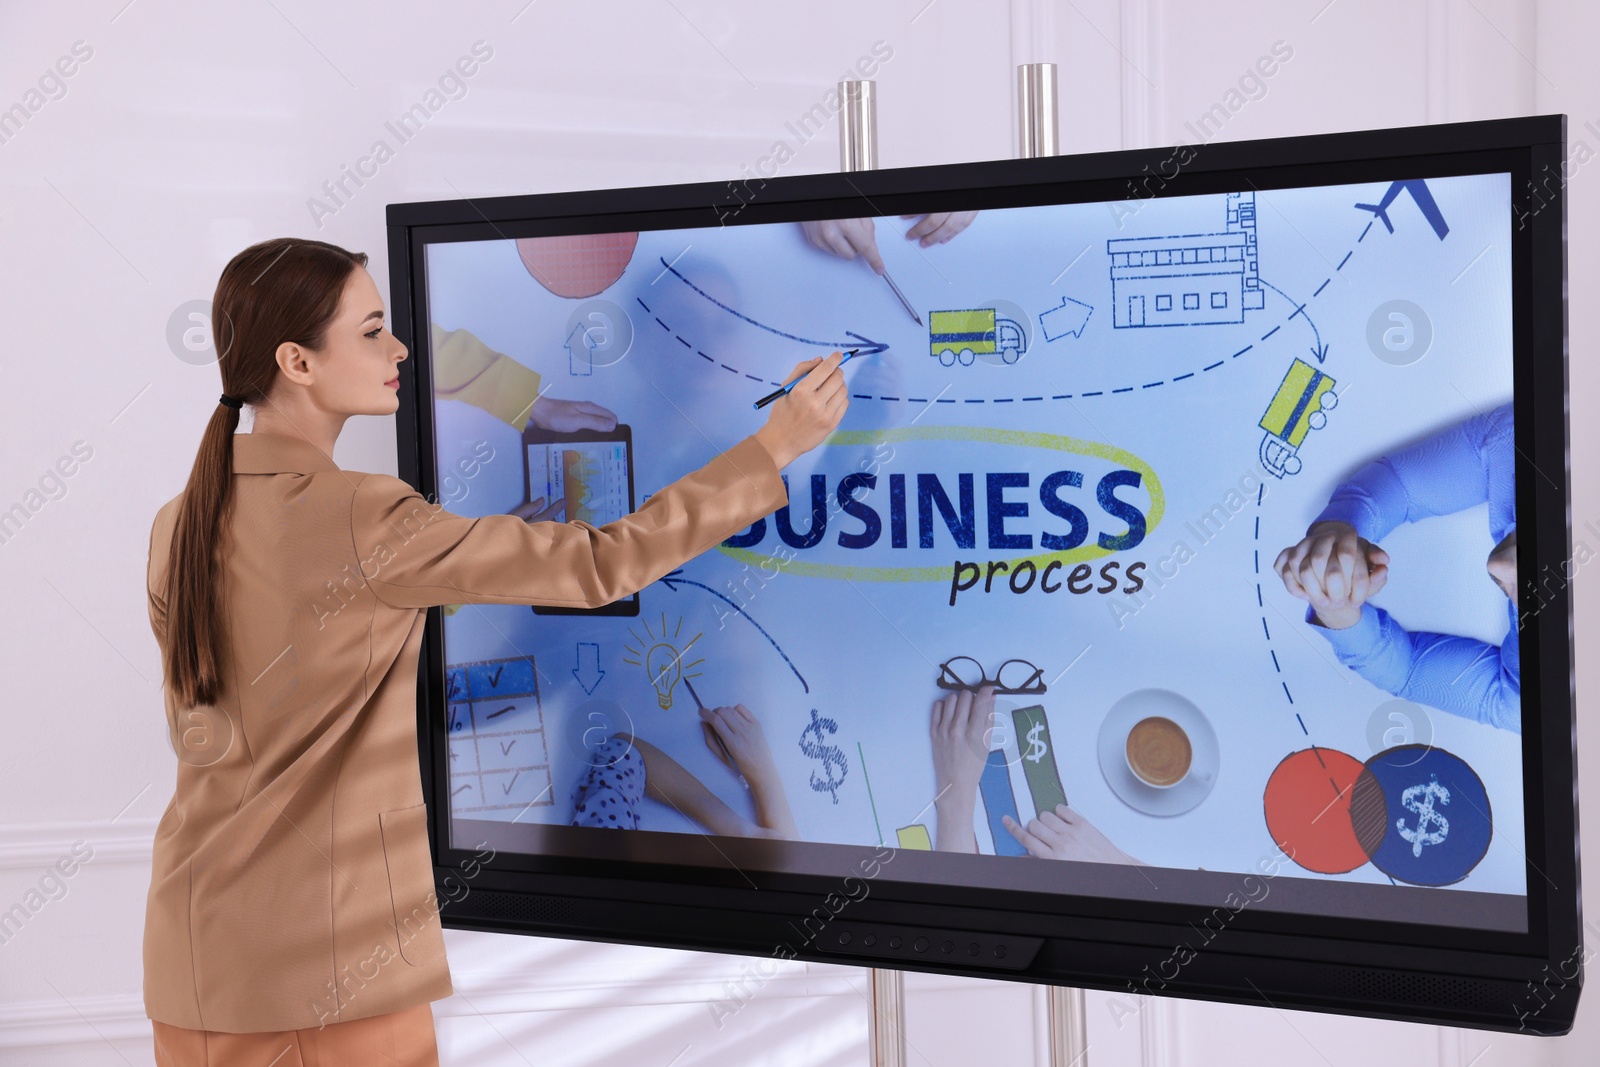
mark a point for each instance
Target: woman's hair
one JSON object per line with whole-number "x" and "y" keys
{"x": 285, "y": 289}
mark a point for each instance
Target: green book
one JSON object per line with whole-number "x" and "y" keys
{"x": 1038, "y": 758}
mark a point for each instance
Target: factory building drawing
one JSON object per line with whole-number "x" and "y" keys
{"x": 1188, "y": 279}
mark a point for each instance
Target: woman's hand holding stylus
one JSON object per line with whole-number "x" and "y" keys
{"x": 811, "y": 411}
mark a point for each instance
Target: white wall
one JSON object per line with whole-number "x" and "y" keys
{"x": 195, "y": 129}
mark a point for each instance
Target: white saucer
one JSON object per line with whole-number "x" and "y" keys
{"x": 1112, "y": 747}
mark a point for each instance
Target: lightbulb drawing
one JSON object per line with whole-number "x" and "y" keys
{"x": 662, "y": 665}
{"x": 663, "y": 658}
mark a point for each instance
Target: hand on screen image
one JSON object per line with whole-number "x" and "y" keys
{"x": 1502, "y": 565}
{"x": 849, "y": 238}
{"x": 937, "y": 227}
{"x": 845, "y": 238}
{"x": 960, "y": 728}
{"x": 748, "y": 754}
{"x": 1462, "y": 465}
{"x": 565, "y": 416}
{"x": 669, "y": 782}
{"x": 1064, "y": 834}
{"x": 561, "y": 416}
{"x": 540, "y": 511}
{"x": 1335, "y": 570}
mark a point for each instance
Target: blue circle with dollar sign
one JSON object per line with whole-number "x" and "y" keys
{"x": 1422, "y": 814}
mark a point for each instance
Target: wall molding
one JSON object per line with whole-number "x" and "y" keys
{"x": 527, "y": 989}
{"x": 35, "y": 846}
{"x": 57, "y": 1021}
{"x": 528, "y": 986}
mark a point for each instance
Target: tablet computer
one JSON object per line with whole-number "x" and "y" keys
{"x": 592, "y": 471}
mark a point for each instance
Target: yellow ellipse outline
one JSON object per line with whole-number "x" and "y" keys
{"x": 985, "y": 435}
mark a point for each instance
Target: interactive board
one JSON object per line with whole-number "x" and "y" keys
{"x": 1052, "y": 614}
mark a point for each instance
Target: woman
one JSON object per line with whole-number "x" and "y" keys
{"x": 291, "y": 918}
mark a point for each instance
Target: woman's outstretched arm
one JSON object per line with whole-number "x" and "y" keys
{"x": 415, "y": 555}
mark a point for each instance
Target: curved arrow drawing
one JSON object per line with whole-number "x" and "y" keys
{"x": 671, "y": 581}
{"x": 1318, "y": 349}
{"x": 865, "y": 345}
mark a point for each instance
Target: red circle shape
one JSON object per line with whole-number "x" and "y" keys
{"x": 1307, "y": 804}
{"x": 578, "y": 265}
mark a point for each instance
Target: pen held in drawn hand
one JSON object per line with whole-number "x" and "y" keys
{"x": 903, "y": 301}
{"x": 697, "y": 701}
{"x": 715, "y": 736}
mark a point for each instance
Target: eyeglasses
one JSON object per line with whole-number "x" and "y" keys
{"x": 1014, "y": 676}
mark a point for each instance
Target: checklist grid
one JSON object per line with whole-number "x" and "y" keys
{"x": 499, "y": 757}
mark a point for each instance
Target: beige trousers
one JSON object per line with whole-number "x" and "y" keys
{"x": 398, "y": 1039}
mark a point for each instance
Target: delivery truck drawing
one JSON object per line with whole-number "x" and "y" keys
{"x": 1299, "y": 406}
{"x": 964, "y": 335}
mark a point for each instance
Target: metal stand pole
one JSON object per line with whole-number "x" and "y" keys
{"x": 1037, "y": 136}
{"x": 858, "y": 150}
{"x": 1069, "y": 1031}
{"x": 1036, "y": 110}
{"x": 886, "y": 1032}
{"x": 858, "y": 126}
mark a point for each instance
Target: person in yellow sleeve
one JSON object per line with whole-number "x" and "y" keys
{"x": 466, "y": 369}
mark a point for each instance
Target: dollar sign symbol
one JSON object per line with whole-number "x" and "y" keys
{"x": 1420, "y": 799}
{"x": 813, "y": 744}
{"x": 1036, "y": 746}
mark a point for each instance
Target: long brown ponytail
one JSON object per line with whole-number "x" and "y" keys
{"x": 285, "y": 289}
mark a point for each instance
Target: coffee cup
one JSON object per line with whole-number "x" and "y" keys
{"x": 1158, "y": 752}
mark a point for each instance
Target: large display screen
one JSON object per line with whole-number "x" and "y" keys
{"x": 1046, "y": 595}
{"x": 1155, "y": 619}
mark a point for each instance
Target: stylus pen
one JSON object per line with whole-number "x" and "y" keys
{"x": 784, "y": 390}
{"x": 903, "y": 301}
{"x": 720, "y": 743}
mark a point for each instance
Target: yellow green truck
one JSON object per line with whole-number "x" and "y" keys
{"x": 961, "y": 336}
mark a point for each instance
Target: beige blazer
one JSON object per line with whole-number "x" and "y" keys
{"x": 292, "y": 883}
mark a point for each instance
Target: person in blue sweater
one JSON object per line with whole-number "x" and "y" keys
{"x": 1338, "y": 567}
